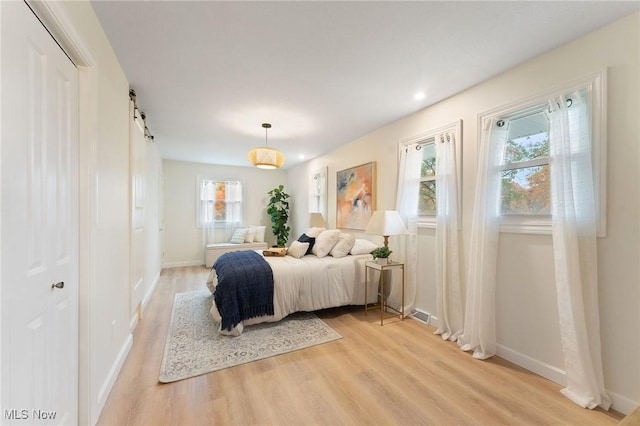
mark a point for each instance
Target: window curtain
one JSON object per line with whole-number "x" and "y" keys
{"x": 318, "y": 192}
{"x": 406, "y": 248}
{"x": 575, "y": 250}
{"x": 220, "y": 210}
{"x": 448, "y": 296}
{"x": 479, "y": 333}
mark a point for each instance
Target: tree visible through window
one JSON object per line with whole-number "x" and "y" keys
{"x": 427, "y": 194}
{"x": 220, "y": 202}
{"x": 524, "y": 137}
{"x": 525, "y": 173}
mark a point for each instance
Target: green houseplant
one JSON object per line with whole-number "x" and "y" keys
{"x": 278, "y": 210}
{"x": 381, "y": 253}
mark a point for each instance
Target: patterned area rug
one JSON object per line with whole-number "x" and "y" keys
{"x": 193, "y": 345}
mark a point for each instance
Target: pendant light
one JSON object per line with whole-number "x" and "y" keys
{"x": 265, "y": 157}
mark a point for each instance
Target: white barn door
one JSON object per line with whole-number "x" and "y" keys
{"x": 39, "y": 224}
{"x": 137, "y": 165}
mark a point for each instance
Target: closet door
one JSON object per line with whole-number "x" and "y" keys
{"x": 39, "y": 223}
{"x": 137, "y": 238}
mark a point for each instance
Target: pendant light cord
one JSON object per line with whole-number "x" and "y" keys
{"x": 266, "y": 126}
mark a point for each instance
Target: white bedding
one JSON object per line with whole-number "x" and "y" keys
{"x": 308, "y": 284}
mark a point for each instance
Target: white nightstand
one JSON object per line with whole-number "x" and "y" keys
{"x": 382, "y": 298}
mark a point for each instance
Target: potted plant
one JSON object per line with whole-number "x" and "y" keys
{"x": 381, "y": 255}
{"x": 278, "y": 210}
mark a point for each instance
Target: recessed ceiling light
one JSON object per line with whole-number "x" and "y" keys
{"x": 419, "y": 96}
{"x": 301, "y": 156}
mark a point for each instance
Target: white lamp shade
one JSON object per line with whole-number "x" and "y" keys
{"x": 317, "y": 220}
{"x": 385, "y": 223}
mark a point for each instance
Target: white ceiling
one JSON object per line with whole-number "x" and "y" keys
{"x": 207, "y": 74}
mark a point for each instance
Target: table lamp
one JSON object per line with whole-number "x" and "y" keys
{"x": 385, "y": 223}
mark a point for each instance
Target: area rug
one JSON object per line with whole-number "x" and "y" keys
{"x": 193, "y": 345}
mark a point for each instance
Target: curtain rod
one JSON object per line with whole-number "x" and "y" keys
{"x": 433, "y": 140}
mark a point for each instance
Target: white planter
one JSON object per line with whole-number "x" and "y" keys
{"x": 382, "y": 260}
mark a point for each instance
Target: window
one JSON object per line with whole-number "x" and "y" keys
{"x": 525, "y": 187}
{"x": 427, "y": 195}
{"x": 318, "y": 192}
{"x": 525, "y": 171}
{"x": 425, "y": 144}
{"x": 220, "y": 202}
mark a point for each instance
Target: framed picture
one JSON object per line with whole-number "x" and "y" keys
{"x": 356, "y": 196}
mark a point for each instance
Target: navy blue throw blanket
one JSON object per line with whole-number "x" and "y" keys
{"x": 245, "y": 287}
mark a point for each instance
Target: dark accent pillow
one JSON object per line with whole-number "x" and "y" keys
{"x": 304, "y": 238}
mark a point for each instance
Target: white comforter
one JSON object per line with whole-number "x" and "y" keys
{"x": 309, "y": 284}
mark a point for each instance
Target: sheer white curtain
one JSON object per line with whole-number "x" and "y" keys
{"x": 448, "y": 296}
{"x": 574, "y": 246}
{"x": 479, "y": 323}
{"x": 220, "y": 209}
{"x": 318, "y": 192}
{"x": 407, "y": 206}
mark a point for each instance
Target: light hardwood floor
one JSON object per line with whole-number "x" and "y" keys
{"x": 398, "y": 374}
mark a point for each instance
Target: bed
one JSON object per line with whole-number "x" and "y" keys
{"x": 308, "y": 283}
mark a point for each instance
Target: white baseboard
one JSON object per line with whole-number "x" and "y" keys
{"x": 557, "y": 375}
{"x": 540, "y": 368}
{"x": 434, "y": 321}
{"x": 133, "y": 322}
{"x": 622, "y": 404}
{"x": 183, "y": 263}
{"x": 113, "y": 374}
{"x": 152, "y": 288}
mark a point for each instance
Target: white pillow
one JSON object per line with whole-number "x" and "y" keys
{"x": 297, "y": 249}
{"x": 314, "y": 232}
{"x": 259, "y": 237}
{"x": 251, "y": 235}
{"x": 238, "y": 236}
{"x": 343, "y": 246}
{"x": 362, "y": 246}
{"x": 325, "y": 242}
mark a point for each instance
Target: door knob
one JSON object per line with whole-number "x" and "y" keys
{"x": 58, "y": 285}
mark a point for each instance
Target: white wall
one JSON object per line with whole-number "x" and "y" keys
{"x": 526, "y": 309}
{"x": 184, "y": 244}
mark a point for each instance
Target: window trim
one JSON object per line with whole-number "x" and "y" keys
{"x": 596, "y": 86}
{"x": 429, "y": 221}
{"x": 542, "y": 161}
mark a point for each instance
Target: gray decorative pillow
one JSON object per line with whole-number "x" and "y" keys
{"x": 239, "y": 235}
